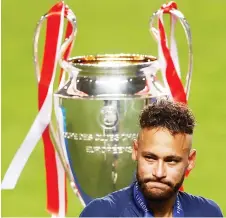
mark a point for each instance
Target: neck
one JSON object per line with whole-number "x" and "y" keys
{"x": 162, "y": 208}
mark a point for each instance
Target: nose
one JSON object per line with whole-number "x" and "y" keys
{"x": 159, "y": 170}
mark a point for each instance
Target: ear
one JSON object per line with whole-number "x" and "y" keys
{"x": 135, "y": 149}
{"x": 191, "y": 161}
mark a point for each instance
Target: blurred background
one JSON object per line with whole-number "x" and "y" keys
{"x": 113, "y": 27}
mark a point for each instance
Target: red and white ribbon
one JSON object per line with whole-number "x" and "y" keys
{"x": 168, "y": 62}
{"x": 55, "y": 174}
{"x": 168, "y": 57}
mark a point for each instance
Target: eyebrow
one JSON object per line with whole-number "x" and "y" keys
{"x": 150, "y": 154}
{"x": 173, "y": 157}
{"x": 166, "y": 158}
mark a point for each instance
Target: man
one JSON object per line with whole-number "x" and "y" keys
{"x": 164, "y": 155}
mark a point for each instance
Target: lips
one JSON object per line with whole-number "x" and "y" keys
{"x": 157, "y": 185}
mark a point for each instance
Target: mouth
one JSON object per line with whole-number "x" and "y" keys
{"x": 158, "y": 185}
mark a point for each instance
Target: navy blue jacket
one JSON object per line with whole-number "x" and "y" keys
{"x": 121, "y": 204}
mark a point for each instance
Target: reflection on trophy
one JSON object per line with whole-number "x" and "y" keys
{"x": 100, "y": 106}
{"x": 97, "y": 104}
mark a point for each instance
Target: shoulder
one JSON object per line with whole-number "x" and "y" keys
{"x": 97, "y": 208}
{"x": 199, "y": 206}
{"x": 108, "y": 206}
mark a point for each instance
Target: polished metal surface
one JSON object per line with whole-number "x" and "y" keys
{"x": 101, "y": 105}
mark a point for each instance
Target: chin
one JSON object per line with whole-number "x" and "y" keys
{"x": 157, "y": 194}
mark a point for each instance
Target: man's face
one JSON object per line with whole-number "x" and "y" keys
{"x": 162, "y": 161}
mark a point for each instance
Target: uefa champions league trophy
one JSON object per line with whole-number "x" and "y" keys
{"x": 97, "y": 104}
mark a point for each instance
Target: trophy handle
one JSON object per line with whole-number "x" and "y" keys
{"x": 72, "y": 19}
{"x": 69, "y": 15}
{"x": 187, "y": 30}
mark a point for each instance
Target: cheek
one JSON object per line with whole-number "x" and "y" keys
{"x": 175, "y": 172}
{"x": 143, "y": 167}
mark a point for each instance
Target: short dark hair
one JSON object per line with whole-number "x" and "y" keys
{"x": 164, "y": 113}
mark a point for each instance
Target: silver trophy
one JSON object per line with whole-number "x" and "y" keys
{"x": 100, "y": 106}
{"x": 97, "y": 113}
{"x": 97, "y": 106}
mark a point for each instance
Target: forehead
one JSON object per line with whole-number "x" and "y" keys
{"x": 162, "y": 142}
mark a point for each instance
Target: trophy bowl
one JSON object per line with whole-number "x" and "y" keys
{"x": 100, "y": 105}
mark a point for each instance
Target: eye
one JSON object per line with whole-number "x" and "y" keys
{"x": 172, "y": 161}
{"x": 149, "y": 158}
